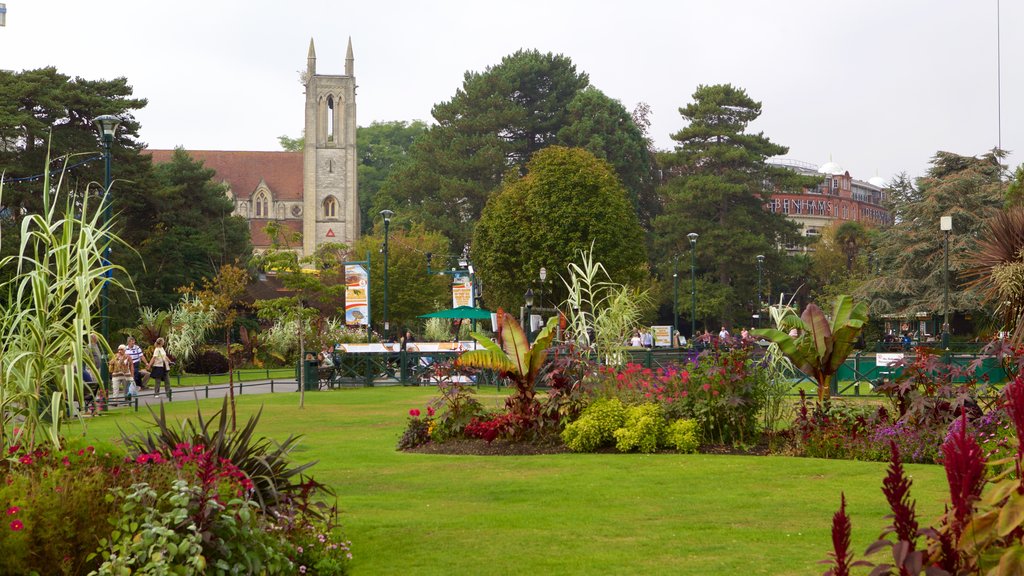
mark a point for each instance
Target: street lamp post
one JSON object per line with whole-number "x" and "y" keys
{"x": 675, "y": 296}
{"x": 529, "y": 312}
{"x": 693, "y": 285}
{"x": 946, "y": 225}
{"x": 107, "y": 126}
{"x": 387, "y": 214}
{"x": 543, "y": 274}
{"x": 760, "y": 268}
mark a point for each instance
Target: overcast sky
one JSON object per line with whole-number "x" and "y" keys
{"x": 878, "y": 86}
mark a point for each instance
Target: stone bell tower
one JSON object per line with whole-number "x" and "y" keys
{"x": 330, "y": 206}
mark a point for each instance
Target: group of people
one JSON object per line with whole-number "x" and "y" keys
{"x": 127, "y": 374}
{"x": 642, "y": 338}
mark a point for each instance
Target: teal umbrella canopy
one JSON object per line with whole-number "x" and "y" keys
{"x": 467, "y": 312}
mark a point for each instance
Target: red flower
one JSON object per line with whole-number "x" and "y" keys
{"x": 26, "y": 459}
{"x": 430, "y": 411}
{"x": 415, "y": 412}
{"x": 14, "y": 448}
{"x": 706, "y": 387}
{"x": 16, "y": 525}
{"x": 13, "y": 510}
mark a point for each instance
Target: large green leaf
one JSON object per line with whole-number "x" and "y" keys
{"x": 818, "y": 332}
{"x": 515, "y": 344}
{"x": 541, "y": 344}
{"x": 489, "y": 359}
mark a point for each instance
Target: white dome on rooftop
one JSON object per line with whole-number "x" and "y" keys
{"x": 831, "y": 167}
{"x": 877, "y": 181}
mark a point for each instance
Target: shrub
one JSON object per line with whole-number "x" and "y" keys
{"x": 275, "y": 480}
{"x": 208, "y": 361}
{"x": 455, "y": 407}
{"x": 643, "y": 431}
{"x": 596, "y": 426}
{"x": 55, "y": 497}
{"x": 682, "y": 435}
{"x": 417, "y": 431}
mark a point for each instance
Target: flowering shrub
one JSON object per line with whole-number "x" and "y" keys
{"x": 682, "y": 435}
{"x": 492, "y": 426}
{"x": 596, "y": 426}
{"x": 56, "y": 496}
{"x": 643, "y": 429}
{"x": 418, "y": 430}
{"x": 317, "y": 551}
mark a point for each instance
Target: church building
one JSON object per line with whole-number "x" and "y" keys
{"x": 312, "y": 192}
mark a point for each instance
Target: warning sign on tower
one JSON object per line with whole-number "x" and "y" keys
{"x": 330, "y": 233}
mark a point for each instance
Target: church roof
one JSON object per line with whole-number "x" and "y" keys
{"x": 282, "y": 171}
{"x": 259, "y": 235}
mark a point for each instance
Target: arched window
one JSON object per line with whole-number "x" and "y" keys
{"x": 330, "y": 207}
{"x": 261, "y": 206}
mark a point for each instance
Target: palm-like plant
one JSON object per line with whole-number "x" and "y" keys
{"x": 999, "y": 270}
{"x": 822, "y": 346}
{"x": 515, "y": 359}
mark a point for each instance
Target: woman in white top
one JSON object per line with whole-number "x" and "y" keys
{"x": 159, "y": 367}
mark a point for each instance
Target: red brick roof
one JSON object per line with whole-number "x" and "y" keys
{"x": 243, "y": 171}
{"x": 259, "y": 236}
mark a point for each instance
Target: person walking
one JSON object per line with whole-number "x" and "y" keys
{"x": 646, "y": 338}
{"x": 159, "y": 368}
{"x": 121, "y": 371}
{"x": 138, "y": 357}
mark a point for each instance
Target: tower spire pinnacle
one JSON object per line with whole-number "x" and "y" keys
{"x": 349, "y": 60}
{"x": 311, "y": 60}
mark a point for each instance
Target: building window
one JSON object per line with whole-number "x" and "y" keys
{"x": 785, "y": 206}
{"x": 261, "y": 206}
{"x": 330, "y": 207}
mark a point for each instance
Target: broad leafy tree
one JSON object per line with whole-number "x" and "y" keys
{"x": 567, "y": 202}
{"x": 909, "y": 256}
{"x": 411, "y": 291}
{"x": 720, "y": 186}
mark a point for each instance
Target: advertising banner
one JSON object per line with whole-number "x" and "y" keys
{"x": 357, "y": 308}
{"x": 462, "y": 291}
{"x": 662, "y": 336}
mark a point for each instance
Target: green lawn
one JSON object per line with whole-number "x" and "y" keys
{"x": 566, "y": 513}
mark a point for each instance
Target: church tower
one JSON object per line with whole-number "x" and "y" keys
{"x": 330, "y": 210}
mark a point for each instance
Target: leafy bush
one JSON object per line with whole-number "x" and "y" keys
{"x": 456, "y": 405}
{"x": 208, "y": 361}
{"x": 596, "y": 426}
{"x": 417, "y": 431}
{"x": 52, "y": 497}
{"x": 980, "y": 532}
{"x": 275, "y": 481}
{"x": 682, "y": 435}
{"x": 643, "y": 430}
{"x": 153, "y": 534}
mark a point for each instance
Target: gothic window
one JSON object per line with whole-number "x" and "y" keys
{"x": 261, "y": 206}
{"x": 330, "y": 207}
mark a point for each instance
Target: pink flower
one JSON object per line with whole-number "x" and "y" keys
{"x": 26, "y": 459}
{"x": 13, "y": 510}
{"x": 706, "y": 387}
{"x": 430, "y": 411}
{"x": 415, "y": 412}
{"x": 302, "y": 569}
{"x": 16, "y": 525}
{"x": 14, "y": 448}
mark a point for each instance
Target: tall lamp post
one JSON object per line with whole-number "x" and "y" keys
{"x": 675, "y": 295}
{"x": 543, "y": 274}
{"x": 107, "y": 126}
{"x": 387, "y": 214}
{"x": 946, "y": 225}
{"x": 760, "y": 268}
{"x": 693, "y": 285}
{"x": 528, "y": 297}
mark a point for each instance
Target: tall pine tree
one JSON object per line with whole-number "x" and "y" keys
{"x": 719, "y": 188}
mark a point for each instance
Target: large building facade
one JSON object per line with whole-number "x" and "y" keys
{"x": 313, "y": 192}
{"x": 838, "y": 198}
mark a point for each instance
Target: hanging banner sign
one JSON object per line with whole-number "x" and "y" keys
{"x": 462, "y": 291}
{"x": 357, "y": 311}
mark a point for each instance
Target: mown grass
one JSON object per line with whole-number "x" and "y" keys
{"x": 564, "y": 513}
